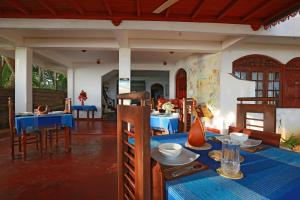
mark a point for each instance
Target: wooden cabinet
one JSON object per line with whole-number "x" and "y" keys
{"x": 291, "y": 84}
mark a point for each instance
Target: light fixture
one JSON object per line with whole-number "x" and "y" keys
{"x": 83, "y": 50}
{"x": 98, "y": 61}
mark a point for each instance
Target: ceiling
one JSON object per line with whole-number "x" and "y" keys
{"x": 254, "y": 12}
{"x": 90, "y": 56}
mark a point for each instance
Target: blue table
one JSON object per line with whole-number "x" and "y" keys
{"x": 167, "y": 123}
{"x": 86, "y": 108}
{"x": 37, "y": 122}
{"x": 269, "y": 174}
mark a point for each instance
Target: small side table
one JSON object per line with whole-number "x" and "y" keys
{"x": 87, "y": 108}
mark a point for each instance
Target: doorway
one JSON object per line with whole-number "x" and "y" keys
{"x": 157, "y": 91}
{"x": 181, "y": 84}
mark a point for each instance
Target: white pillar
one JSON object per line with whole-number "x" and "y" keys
{"x": 23, "y": 79}
{"x": 124, "y": 70}
{"x": 172, "y": 85}
{"x": 70, "y": 78}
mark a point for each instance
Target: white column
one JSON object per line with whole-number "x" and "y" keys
{"x": 23, "y": 80}
{"x": 124, "y": 70}
{"x": 172, "y": 85}
{"x": 70, "y": 78}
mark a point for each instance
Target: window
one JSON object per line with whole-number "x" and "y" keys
{"x": 264, "y": 70}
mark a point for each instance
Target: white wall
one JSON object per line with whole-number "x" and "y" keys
{"x": 149, "y": 81}
{"x": 282, "y": 53}
{"x": 89, "y": 78}
{"x": 287, "y": 122}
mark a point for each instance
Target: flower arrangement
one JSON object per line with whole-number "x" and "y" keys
{"x": 168, "y": 107}
{"x": 82, "y": 97}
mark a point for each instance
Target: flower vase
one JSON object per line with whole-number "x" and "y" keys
{"x": 82, "y": 102}
{"x": 196, "y": 136}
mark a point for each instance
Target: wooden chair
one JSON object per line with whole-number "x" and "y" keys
{"x": 56, "y": 131}
{"x": 20, "y": 141}
{"x": 268, "y": 138}
{"x": 134, "y": 167}
{"x": 187, "y": 111}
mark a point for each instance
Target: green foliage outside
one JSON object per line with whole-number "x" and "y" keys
{"x": 291, "y": 142}
{"x": 41, "y": 78}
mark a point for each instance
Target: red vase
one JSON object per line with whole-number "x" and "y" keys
{"x": 196, "y": 135}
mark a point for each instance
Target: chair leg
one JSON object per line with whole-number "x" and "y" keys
{"x": 50, "y": 141}
{"x": 20, "y": 144}
{"x": 46, "y": 140}
{"x": 12, "y": 147}
{"x": 24, "y": 145}
{"x": 37, "y": 142}
{"x": 41, "y": 143}
{"x": 56, "y": 136}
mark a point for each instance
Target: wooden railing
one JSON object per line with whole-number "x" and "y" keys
{"x": 266, "y": 106}
{"x": 259, "y": 100}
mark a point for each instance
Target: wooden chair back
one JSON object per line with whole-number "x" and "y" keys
{"x": 187, "y": 111}
{"x": 11, "y": 115}
{"x": 68, "y": 105}
{"x": 133, "y": 128}
{"x": 268, "y": 138}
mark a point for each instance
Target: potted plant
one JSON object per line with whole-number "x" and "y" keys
{"x": 291, "y": 143}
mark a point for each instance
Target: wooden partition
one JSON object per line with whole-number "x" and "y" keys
{"x": 134, "y": 176}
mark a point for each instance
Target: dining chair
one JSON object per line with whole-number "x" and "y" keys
{"x": 133, "y": 136}
{"x": 268, "y": 138}
{"x": 33, "y": 137}
{"x": 56, "y": 132}
{"x": 187, "y": 112}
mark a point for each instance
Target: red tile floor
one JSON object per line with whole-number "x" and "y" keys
{"x": 88, "y": 172}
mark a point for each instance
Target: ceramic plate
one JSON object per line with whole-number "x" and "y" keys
{"x": 251, "y": 143}
{"x": 185, "y": 157}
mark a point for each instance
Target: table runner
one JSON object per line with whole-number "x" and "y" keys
{"x": 269, "y": 174}
{"x": 85, "y": 107}
{"x": 35, "y": 122}
{"x": 169, "y": 123}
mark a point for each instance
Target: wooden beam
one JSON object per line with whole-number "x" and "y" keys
{"x": 138, "y": 8}
{"x": 256, "y": 9}
{"x": 107, "y": 6}
{"x": 227, "y": 9}
{"x": 291, "y": 9}
{"x": 47, "y": 6}
{"x": 19, "y": 6}
{"x": 197, "y": 10}
{"x": 78, "y": 7}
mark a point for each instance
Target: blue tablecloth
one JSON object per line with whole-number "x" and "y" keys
{"x": 30, "y": 123}
{"x": 169, "y": 123}
{"x": 85, "y": 107}
{"x": 269, "y": 174}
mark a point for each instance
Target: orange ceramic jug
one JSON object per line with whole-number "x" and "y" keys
{"x": 196, "y": 135}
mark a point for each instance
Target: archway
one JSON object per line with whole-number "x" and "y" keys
{"x": 157, "y": 91}
{"x": 181, "y": 84}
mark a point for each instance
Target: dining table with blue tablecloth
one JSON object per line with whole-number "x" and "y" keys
{"x": 168, "y": 123}
{"x": 272, "y": 173}
{"x": 30, "y": 123}
{"x": 86, "y": 108}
